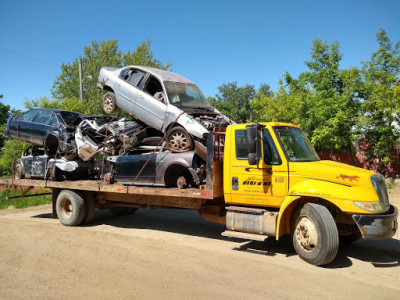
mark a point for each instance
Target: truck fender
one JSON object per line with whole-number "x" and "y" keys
{"x": 284, "y": 216}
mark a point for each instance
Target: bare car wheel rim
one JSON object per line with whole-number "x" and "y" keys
{"x": 178, "y": 141}
{"x": 108, "y": 104}
{"x": 67, "y": 208}
{"x": 18, "y": 171}
{"x": 306, "y": 234}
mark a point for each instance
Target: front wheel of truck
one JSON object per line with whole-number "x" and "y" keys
{"x": 315, "y": 235}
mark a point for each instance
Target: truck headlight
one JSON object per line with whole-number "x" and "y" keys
{"x": 374, "y": 207}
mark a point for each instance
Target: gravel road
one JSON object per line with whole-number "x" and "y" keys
{"x": 174, "y": 254}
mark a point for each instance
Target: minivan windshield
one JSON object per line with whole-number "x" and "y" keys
{"x": 186, "y": 96}
{"x": 297, "y": 146}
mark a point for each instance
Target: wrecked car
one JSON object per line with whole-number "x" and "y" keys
{"x": 104, "y": 135}
{"x": 163, "y": 100}
{"x": 36, "y": 164}
{"x": 52, "y": 129}
{"x": 159, "y": 167}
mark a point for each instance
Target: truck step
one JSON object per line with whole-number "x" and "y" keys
{"x": 244, "y": 235}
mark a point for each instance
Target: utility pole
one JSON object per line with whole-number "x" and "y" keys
{"x": 80, "y": 78}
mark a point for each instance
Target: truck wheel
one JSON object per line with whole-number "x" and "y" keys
{"x": 315, "y": 235}
{"x": 70, "y": 208}
{"x": 110, "y": 104}
{"x": 179, "y": 140}
{"x": 121, "y": 211}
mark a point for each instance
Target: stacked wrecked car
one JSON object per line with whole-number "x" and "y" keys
{"x": 164, "y": 145}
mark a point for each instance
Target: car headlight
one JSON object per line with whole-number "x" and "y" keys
{"x": 374, "y": 207}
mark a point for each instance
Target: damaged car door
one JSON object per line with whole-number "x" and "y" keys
{"x": 44, "y": 124}
{"x": 151, "y": 103}
{"x": 124, "y": 93}
{"x": 130, "y": 166}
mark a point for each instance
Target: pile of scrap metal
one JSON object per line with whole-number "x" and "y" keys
{"x": 82, "y": 147}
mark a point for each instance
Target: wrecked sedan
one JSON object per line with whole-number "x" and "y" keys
{"x": 160, "y": 168}
{"x": 34, "y": 163}
{"x": 164, "y": 100}
{"x": 52, "y": 129}
{"x": 104, "y": 135}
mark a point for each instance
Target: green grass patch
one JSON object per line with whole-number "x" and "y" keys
{"x": 22, "y": 202}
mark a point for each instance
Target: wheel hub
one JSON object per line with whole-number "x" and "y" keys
{"x": 178, "y": 141}
{"x": 66, "y": 208}
{"x": 306, "y": 234}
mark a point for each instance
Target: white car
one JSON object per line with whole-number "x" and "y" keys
{"x": 163, "y": 100}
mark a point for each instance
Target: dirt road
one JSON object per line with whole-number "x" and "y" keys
{"x": 170, "y": 254}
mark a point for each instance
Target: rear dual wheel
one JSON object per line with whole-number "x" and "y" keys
{"x": 74, "y": 209}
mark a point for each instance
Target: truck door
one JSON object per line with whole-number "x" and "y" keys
{"x": 262, "y": 186}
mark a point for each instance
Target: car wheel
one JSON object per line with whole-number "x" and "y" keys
{"x": 18, "y": 172}
{"x": 179, "y": 140}
{"x": 110, "y": 104}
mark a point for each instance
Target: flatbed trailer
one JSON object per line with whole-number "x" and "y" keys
{"x": 108, "y": 195}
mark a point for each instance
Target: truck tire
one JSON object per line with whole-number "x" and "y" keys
{"x": 179, "y": 140}
{"x": 110, "y": 104}
{"x": 121, "y": 211}
{"x": 315, "y": 235}
{"x": 70, "y": 207}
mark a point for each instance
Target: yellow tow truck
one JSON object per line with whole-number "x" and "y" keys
{"x": 262, "y": 180}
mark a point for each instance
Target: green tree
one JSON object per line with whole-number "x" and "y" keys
{"x": 65, "y": 89}
{"x": 66, "y": 86}
{"x": 324, "y": 101}
{"x": 143, "y": 56}
{"x": 4, "y": 114}
{"x": 381, "y": 106}
{"x": 234, "y": 101}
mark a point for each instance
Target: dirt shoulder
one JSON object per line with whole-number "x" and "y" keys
{"x": 165, "y": 254}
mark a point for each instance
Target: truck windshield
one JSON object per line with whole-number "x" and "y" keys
{"x": 186, "y": 96}
{"x": 297, "y": 146}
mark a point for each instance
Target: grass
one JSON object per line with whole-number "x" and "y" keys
{"x": 22, "y": 202}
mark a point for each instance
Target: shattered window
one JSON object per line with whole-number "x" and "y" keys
{"x": 70, "y": 117}
{"x": 29, "y": 115}
{"x": 44, "y": 117}
{"x": 136, "y": 77}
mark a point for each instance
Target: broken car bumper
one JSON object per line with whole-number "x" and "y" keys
{"x": 378, "y": 227}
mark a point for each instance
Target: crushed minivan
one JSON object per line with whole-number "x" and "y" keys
{"x": 163, "y": 100}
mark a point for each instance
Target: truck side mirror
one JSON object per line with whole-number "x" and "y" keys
{"x": 252, "y": 147}
{"x": 253, "y": 159}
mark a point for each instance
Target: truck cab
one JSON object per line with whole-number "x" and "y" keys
{"x": 275, "y": 184}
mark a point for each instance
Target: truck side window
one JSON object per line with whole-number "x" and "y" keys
{"x": 241, "y": 144}
{"x": 271, "y": 155}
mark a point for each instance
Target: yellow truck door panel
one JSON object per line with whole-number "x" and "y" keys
{"x": 265, "y": 185}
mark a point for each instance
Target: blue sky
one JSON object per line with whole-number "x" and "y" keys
{"x": 209, "y": 42}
